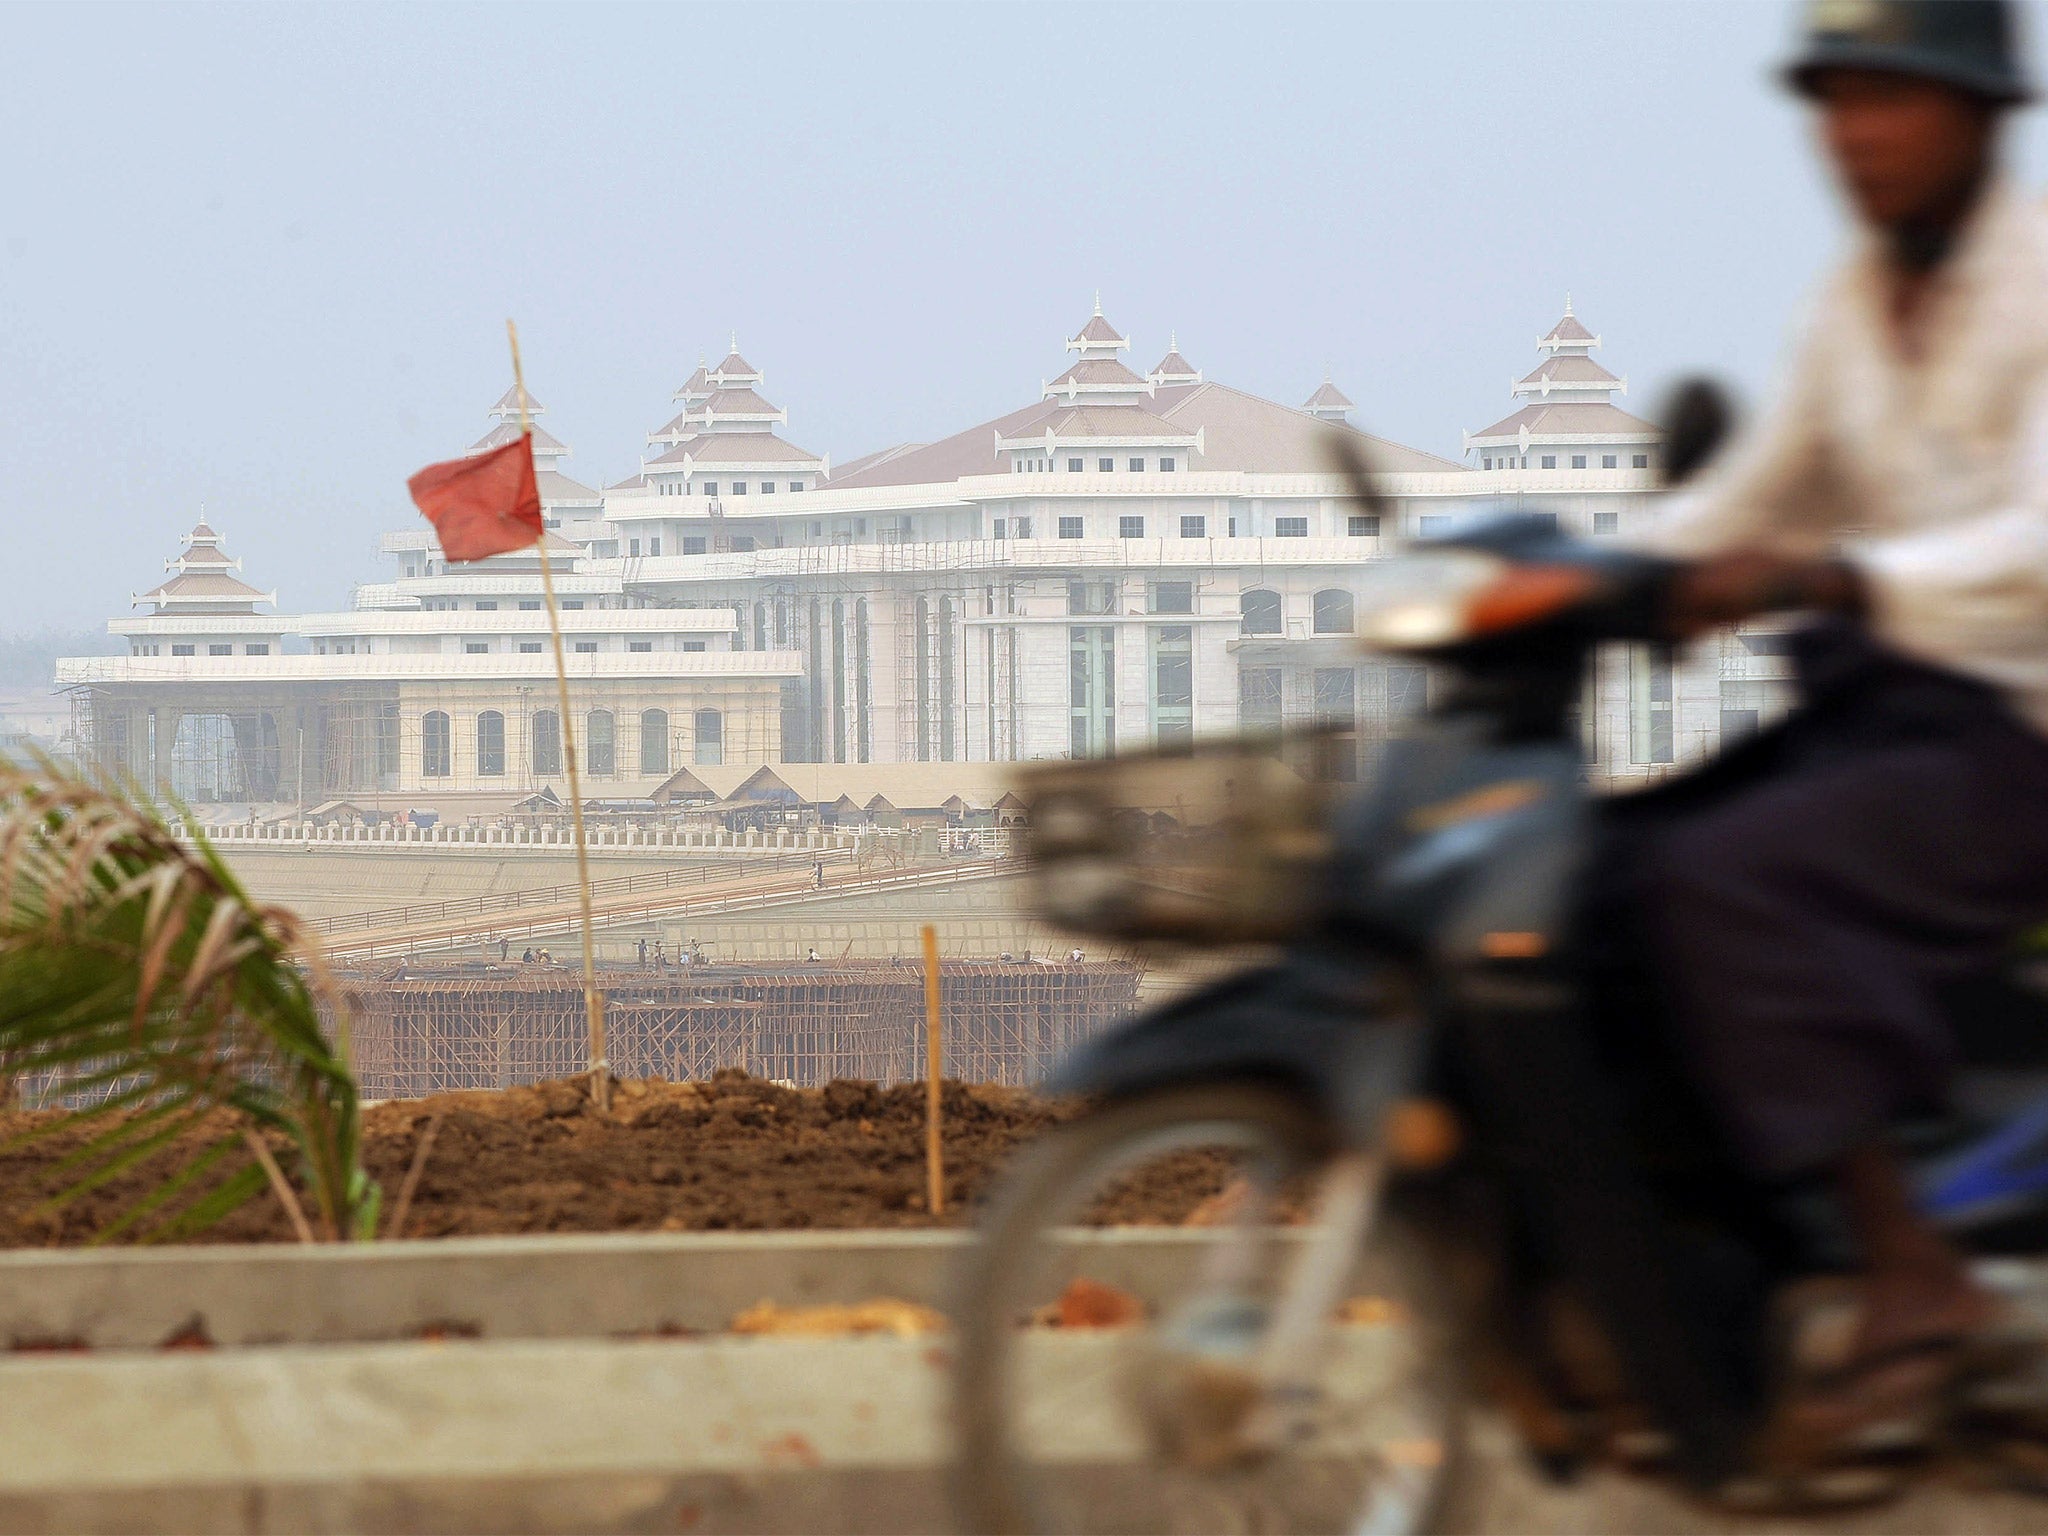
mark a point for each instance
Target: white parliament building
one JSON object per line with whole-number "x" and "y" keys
{"x": 1129, "y": 559}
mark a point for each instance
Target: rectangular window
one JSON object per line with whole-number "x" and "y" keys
{"x": 743, "y": 543}
{"x": 1607, "y": 522}
{"x": 220, "y": 650}
{"x": 1070, "y": 528}
{"x": 1363, "y": 525}
{"x": 1194, "y": 526}
{"x": 1650, "y": 725}
{"x": 1130, "y": 527}
{"x": 529, "y": 647}
{"x": 1091, "y": 690}
{"x": 654, "y": 546}
{"x": 476, "y": 647}
{"x": 1290, "y": 527}
{"x": 256, "y": 650}
{"x": 1000, "y": 528}
{"x": 1550, "y": 461}
{"x": 1137, "y": 466}
{"x": 1642, "y": 461}
{"x": 1173, "y": 686}
{"x": 1432, "y": 522}
{"x": 693, "y": 645}
{"x": 1021, "y": 528}
{"x": 529, "y": 605}
{"x": 1074, "y": 466}
{"x": 1578, "y": 461}
{"x": 1166, "y": 466}
{"x": 1334, "y": 759}
{"x": 486, "y": 607}
{"x": 1173, "y": 597}
{"x": 1258, "y": 700}
{"x": 586, "y": 647}
{"x": 1486, "y": 463}
{"x": 632, "y": 548}
{"x": 739, "y": 487}
{"x": 641, "y": 647}
{"x": 693, "y": 546}
{"x": 1091, "y": 598}
{"x": 767, "y": 487}
{"x": 1107, "y": 466}
{"x": 796, "y": 485}
{"x": 1607, "y": 461}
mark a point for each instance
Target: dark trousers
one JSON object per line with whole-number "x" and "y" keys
{"x": 1802, "y": 897}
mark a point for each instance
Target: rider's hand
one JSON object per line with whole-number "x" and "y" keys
{"x": 1726, "y": 589}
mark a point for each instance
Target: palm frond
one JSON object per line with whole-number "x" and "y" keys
{"x": 142, "y": 985}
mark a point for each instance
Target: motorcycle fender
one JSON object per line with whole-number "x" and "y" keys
{"x": 1319, "y": 1034}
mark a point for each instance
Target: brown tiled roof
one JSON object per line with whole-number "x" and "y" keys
{"x": 736, "y": 366}
{"x": 556, "y": 486}
{"x": 1096, "y": 372}
{"x": 972, "y": 452}
{"x": 698, "y": 383}
{"x": 1099, "y": 331}
{"x": 739, "y": 402}
{"x": 679, "y": 423}
{"x": 1328, "y": 397}
{"x": 873, "y": 460}
{"x": 1569, "y": 330}
{"x": 746, "y": 448}
{"x": 200, "y": 530}
{"x": 1245, "y": 432}
{"x": 1571, "y": 369}
{"x": 1174, "y": 365}
{"x": 544, "y": 441}
{"x": 630, "y": 483}
{"x": 202, "y": 584}
{"x": 1570, "y": 418}
{"x": 1111, "y": 421}
{"x": 205, "y": 554}
{"x": 509, "y": 401}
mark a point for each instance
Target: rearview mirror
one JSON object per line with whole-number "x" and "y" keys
{"x": 1697, "y": 419}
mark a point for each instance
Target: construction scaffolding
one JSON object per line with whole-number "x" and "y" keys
{"x": 414, "y": 1033}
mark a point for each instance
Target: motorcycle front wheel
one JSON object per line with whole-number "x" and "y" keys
{"x": 1165, "y": 1326}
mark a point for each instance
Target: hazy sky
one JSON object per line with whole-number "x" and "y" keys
{"x": 259, "y": 258}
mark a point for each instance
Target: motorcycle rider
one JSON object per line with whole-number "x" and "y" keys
{"x": 1901, "y": 834}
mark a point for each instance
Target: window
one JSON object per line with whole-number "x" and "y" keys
{"x": 1091, "y": 690}
{"x": 1166, "y": 466}
{"x": 257, "y": 649}
{"x": 486, "y": 607}
{"x": 632, "y": 546}
{"x": 1173, "y": 597}
{"x": 654, "y": 546}
{"x": 739, "y": 487}
{"x": 476, "y": 647}
{"x": 529, "y": 605}
{"x": 1259, "y": 612}
{"x": 1363, "y": 525}
{"x": 1642, "y": 461}
{"x": 1130, "y": 527}
{"x": 1486, "y": 463}
{"x": 586, "y": 647}
{"x": 1432, "y": 523}
{"x": 1173, "y": 686}
{"x": 767, "y": 487}
{"x": 1107, "y": 466}
{"x": 1073, "y": 466}
{"x": 1000, "y": 528}
{"x": 1290, "y": 527}
{"x": 1607, "y": 461}
{"x": 1258, "y": 699}
{"x": 709, "y": 726}
{"x": 1607, "y": 522}
{"x": 693, "y": 546}
{"x": 1332, "y": 610}
{"x": 710, "y": 487}
{"x": 743, "y": 543}
{"x": 1578, "y": 461}
{"x": 641, "y": 647}
{"x": 1194, "y": 527}
{"x": 436, "y": 760}
{"x": 547, "y": 742}
{"x": 1091, "y": 599}
{"x": 654, "y": 741}
{"x": 1021, "y": 528}
{"x": 220, "y": 650}
{"x": 529, "y": 647}
{"x": 601, "y": 742}
{"x": 572, "y": 604}
{"x": 490, "y": 745}
{"x": 693, "y": 645}
{"x": 796, "y": 485}
{"x": 1137, "y": 466}
{"x": 1550, "y": 461}
{"x": 1334, "y": 758}
{"x": 1650, "y": 735}
{"x": 1070, "y": 528}
{"x": 1769, "y": 644}
{"x": 1746, "y": 705}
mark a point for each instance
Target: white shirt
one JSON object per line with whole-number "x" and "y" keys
{"x": 1930, "y": 474}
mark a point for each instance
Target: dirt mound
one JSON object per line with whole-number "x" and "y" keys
{"x": 735, "y": 1153}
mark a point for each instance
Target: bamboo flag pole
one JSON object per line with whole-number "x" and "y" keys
{"x": 934, "y": 1060}
{"x": 593, "y": 1000}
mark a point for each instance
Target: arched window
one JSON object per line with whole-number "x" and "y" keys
{"x": 437, "y": 761}
{"x": 490, "y": 745}
{"x": 710, "y": 731}
{"x": 654, "y": 741}
{"x": 600, "y": 742}
{"x": 547, "y": 742}
{"x": 1261, "y": 611}
{"x": 1333, "y": 611}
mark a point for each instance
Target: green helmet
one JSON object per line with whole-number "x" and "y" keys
{"x": 1970, "y": 44}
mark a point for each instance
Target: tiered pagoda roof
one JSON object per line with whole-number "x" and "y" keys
{"x": 204, "y": 581}
{"x": 724, "y": 420}
{"x": 1570, "y": 398}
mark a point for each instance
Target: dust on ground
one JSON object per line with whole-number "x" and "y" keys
{"x": 734, "y": 1153}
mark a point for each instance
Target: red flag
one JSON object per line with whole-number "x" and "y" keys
{"x": 482, "y": 505}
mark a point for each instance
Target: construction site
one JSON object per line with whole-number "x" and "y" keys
{"x": 415, "y": 1033}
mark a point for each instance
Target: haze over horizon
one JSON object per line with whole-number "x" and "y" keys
{"x": 259, "y": 259}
